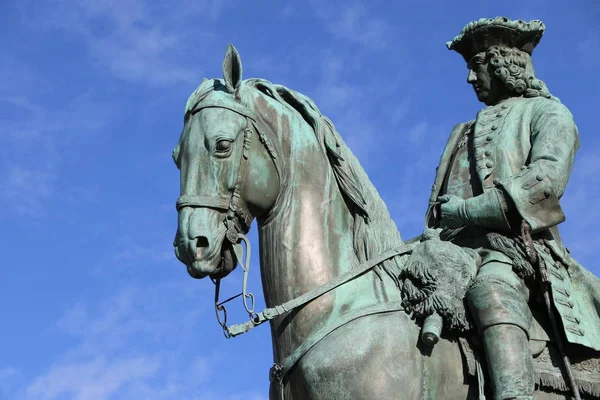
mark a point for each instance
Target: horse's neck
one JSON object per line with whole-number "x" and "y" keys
{"x": 308, "y": 243}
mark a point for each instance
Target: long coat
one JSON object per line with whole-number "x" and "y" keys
{"x": 526, "y": 147}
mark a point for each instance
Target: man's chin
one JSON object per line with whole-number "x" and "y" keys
{"x": 484, "y": 98}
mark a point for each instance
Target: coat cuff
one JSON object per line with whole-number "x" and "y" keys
{"x": 488, "y": 210}
{"x": 534, "y": 198}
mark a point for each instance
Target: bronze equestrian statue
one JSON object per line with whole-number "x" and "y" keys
{"x": 345, "y": 294}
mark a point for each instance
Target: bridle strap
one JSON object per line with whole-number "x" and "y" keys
{"x": 279, "y": 371}
{"x": 273, "y": 312}
{"x": 237, "y": 207}
{"x": 235, "y": 107}
{"x": 191, "y": 200}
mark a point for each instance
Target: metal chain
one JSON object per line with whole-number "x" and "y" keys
{"x": 247, "y": 297}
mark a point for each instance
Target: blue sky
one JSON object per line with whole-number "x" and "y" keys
{"x": 93, "y": 303}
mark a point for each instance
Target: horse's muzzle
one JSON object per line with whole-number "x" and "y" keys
{"x": 200, "y": 243}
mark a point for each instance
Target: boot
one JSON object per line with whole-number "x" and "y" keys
{"x": 509, "y": 362}
{"x": 497, "y": 301}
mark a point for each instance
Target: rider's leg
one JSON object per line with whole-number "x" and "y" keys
{"x": 498, "y": 303}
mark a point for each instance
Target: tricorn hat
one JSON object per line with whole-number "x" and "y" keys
{"x": 480, "y": 35}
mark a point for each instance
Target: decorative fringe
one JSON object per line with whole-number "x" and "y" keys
{"x": 557, "y": 383}
{"x": 547, "y": 373}
{"x": 551, "y": 381}
{"x": 513, "y": 249}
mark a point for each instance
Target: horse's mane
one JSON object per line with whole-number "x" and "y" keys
{"x": 374, "y": 231}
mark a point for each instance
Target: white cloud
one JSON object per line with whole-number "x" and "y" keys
{"x": 353, "y": 23}
{"x": 417, "y": 133}
{"x": 155, "y": 248}
{"x": 96, "y": 379}
{"x": 26, "y": 188}
{"x": 8, "y": 378}
{"x": 578, "y": 203}
{"x": 131, "y": 313}
{"x": 237, "y": 396}
{"x": 24, "y": 80}
{"x": 288, "y": 11}
{"x": 589, "y": 48}
{"x": 140, "y": 343}
{"x": 137, "y": 40}
{"x": 398, "y": 112}
{"x": 34, "y": 140}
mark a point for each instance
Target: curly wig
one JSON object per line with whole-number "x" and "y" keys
{"x": 514, "y": 68}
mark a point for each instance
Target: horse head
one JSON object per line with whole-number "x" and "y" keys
{"x": 228, "y": 177}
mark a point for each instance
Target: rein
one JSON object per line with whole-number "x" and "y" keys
{"x": 273, "y": 312}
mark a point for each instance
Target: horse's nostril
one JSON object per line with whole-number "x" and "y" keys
{"x": 201, "y": 241}
{"x": 201, "y": 247}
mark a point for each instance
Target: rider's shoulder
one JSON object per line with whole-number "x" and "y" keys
{"x": 543, "y": 105}
{"x": 463, "y": 125}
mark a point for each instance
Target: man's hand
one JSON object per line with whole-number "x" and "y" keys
{"x": 487, "y": 210}
{"x": 453, "y": 211}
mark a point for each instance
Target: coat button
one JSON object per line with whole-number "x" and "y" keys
{"x": 524, "y": 167}
{"x": 539, "y": 178}
{"x": 494, "y": 127}
{"x": 504, "y": 106}
{"x": 495, "y": 182}
{"x": 499, "y": 114}
{"x": 547, "y": 193}
{"x": 487, "y": 153}
{"x": 489, "y": 164}
{"x": 575, "y": 330}
{"x": 489, "y": 138}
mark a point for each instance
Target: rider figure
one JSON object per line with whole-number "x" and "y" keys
{"x": 510, "y": 164}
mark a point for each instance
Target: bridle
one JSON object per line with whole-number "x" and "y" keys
{"x": 238, "y": 218}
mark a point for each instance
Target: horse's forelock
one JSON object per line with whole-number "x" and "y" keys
{"x": 204, "y": 90}
{"x": 201, "y": 91}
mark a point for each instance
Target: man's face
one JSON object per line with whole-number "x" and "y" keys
{"x": 488, "y": 88}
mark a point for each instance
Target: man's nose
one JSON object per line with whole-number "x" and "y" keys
{"x": 471, "y": 78}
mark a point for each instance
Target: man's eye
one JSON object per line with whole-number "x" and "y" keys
{"x": 223, "y": 145}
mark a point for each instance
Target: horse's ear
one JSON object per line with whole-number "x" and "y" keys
{"x": 232, "y": 69}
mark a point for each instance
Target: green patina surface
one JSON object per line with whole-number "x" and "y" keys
{"x": 252, "y": 150}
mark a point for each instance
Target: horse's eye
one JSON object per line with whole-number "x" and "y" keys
{"x": 223, "y": 145}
